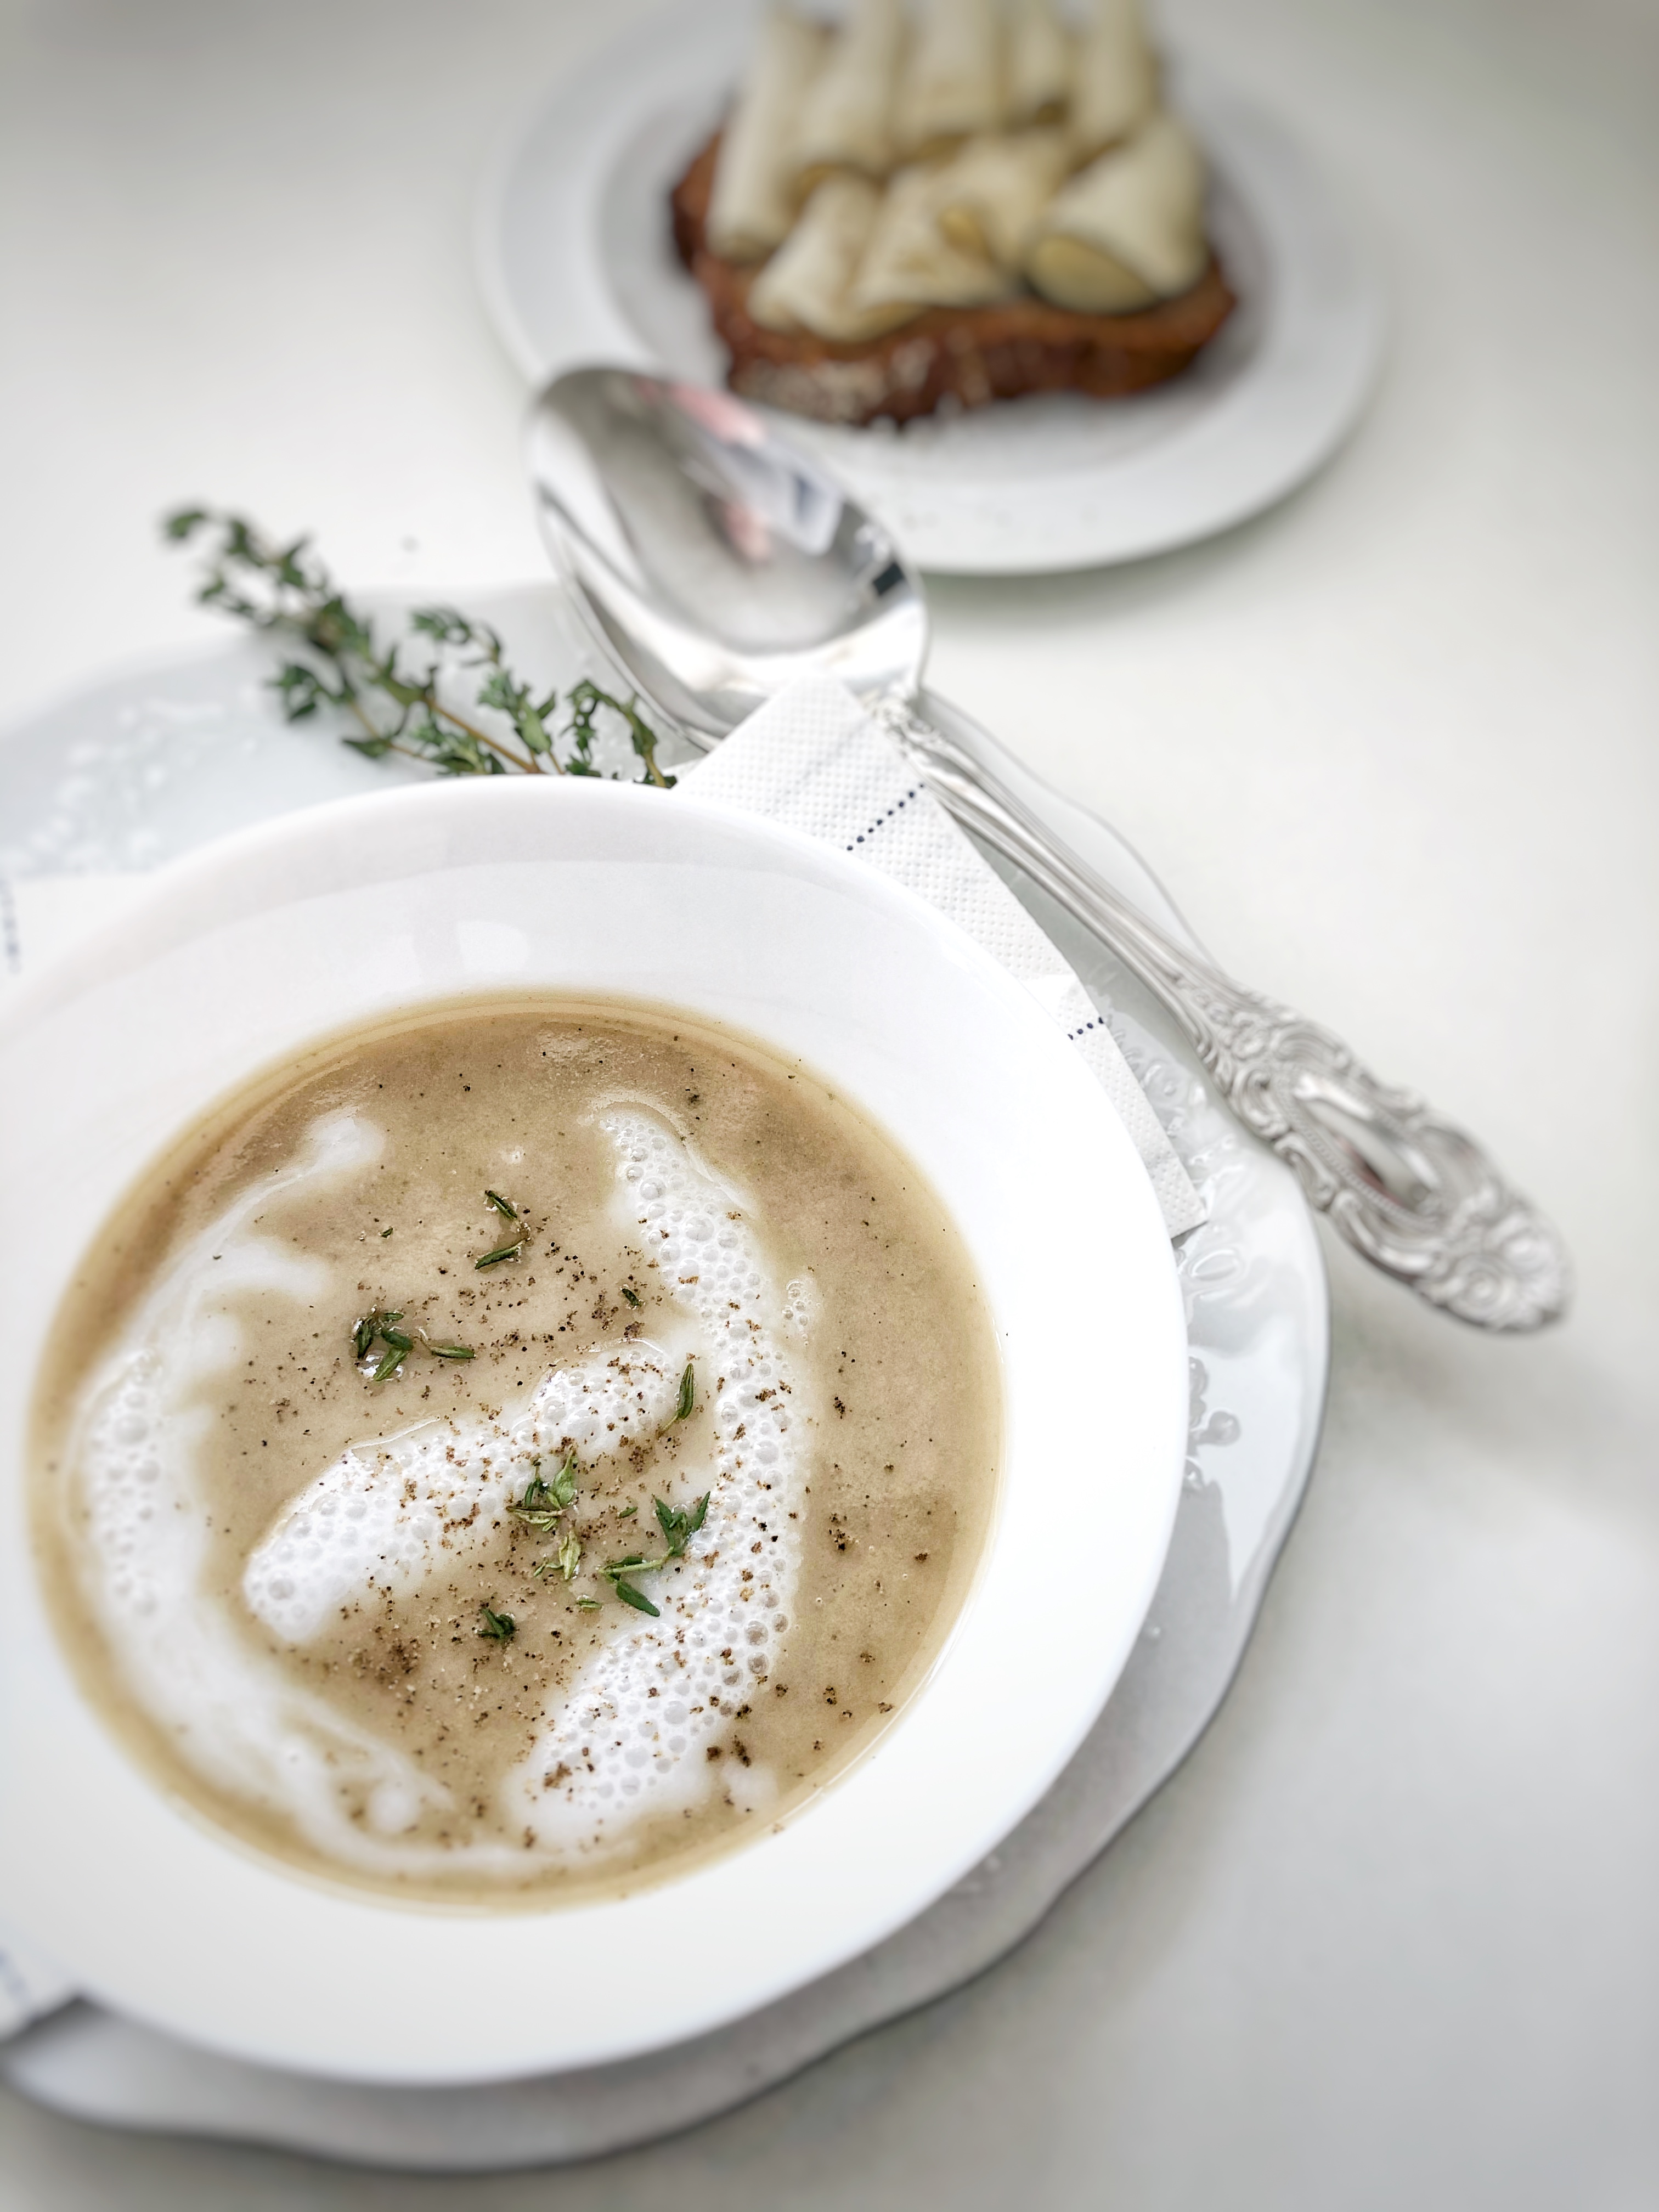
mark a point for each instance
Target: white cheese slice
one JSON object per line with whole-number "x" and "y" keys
{"x": 1129, "y": 229}
{"x": 847, "y": 119}
{"x": 1116, "y": 86}
{"x": 808, "y": 283}
{"x": 1039, "y": 63}
{"x": 753, "y": 201}
{"x": 910, "y": 257}
{"x": 991, "y": 195}
{"x": 953, "y": 81}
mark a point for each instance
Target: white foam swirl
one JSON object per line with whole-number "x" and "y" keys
{"x": 387, "y": 1514}
{"x": 633, "y": 1733}
{"x": 233, "y": 1713}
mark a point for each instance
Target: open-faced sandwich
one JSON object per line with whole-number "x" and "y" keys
{"x": 950, "y": 203}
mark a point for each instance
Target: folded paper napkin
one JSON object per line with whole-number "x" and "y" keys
{"x": 813, "y": 759}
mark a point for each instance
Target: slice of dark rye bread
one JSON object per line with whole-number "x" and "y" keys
{"x": 960, "y": 356}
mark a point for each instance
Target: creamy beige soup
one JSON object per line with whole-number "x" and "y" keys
{"x": 516, "y": 1452}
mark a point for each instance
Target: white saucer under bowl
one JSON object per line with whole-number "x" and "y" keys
{"x": 151, "y": 764}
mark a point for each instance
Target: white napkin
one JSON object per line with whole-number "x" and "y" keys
{"x": 812, "y": 758}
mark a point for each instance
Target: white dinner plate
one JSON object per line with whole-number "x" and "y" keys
{"x": 577, "y": 265}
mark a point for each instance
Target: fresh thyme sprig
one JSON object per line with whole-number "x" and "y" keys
{"x": 398, "y": 702}
{"x": 542, "y": 1506}
{"x": 544, "y": 1503}
{"x": 679, "y": 1524}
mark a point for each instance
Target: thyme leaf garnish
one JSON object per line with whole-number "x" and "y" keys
{"x": 637, "y": 1599}
{"x": 542, "y": 1507}
{"x": 567, "y": 1559}
{"x": 367, "y": 1327}
{"x": 679, "y": 1524}
{"x": 497, "y": 1627}
{"x": 544, "y": 1503}
{"x": 501, "y": 1204}
{"x": 633, "y": 1298}
{"x": 502, "y": 1252}
{"x": 395, "y": 693}
{"x": 687, "y": 1395}
{"x": 381, "y": 1328}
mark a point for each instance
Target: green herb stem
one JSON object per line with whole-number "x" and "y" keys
{"x": 398, "y": 704}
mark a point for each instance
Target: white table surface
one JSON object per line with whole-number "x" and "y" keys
{"x": 1392, "y": 1936}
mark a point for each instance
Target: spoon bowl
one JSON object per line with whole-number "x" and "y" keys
{"x": 717, "y": 559}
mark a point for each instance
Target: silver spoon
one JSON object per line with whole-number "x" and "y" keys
{"x": 718, "y": 562}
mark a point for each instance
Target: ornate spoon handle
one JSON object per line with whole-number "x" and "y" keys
{"x": 1413, "y": 1192}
